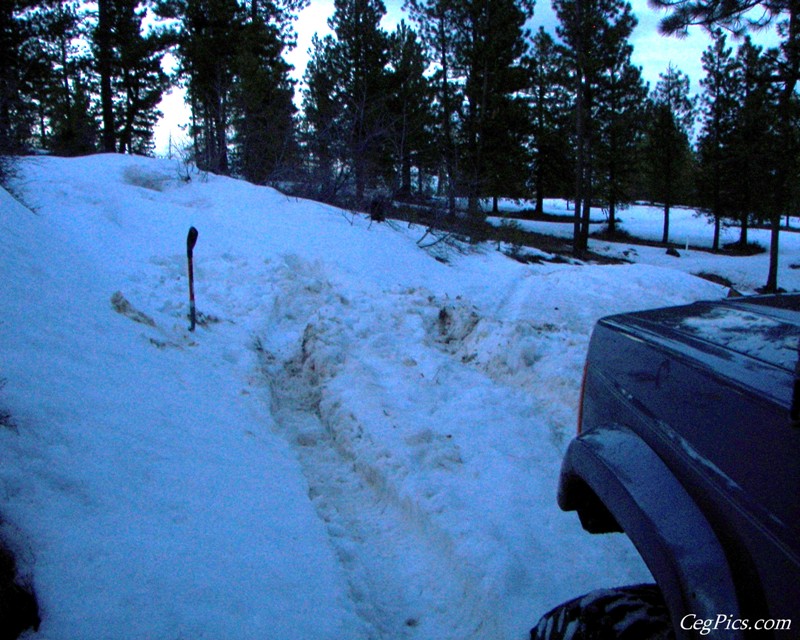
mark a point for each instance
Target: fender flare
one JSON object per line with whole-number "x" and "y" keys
{"x": 603, "y": 470}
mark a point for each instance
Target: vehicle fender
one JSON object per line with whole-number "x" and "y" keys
{"x": 616, "y": 468}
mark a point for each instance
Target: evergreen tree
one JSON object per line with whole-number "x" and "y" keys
{"x": 410, "y": 115}
{"x": 207, "y": 39}
{"x": 669, "y": 151}
{"x": 551, "y": 106}
{"x": 103, "y": 38}
{"x": 438, "y": 22}
{"x": 74, "y": 129}
{"x": 740, "y": 16}
{"x": 323, "y": 134}
{"x": 138, "y": 81}
{"x": 265, "y": 141}
{"x": 42, "y": 72}
{"x": 360, "y": 58}
{"x": 491, "y": 41}
{"x": 14, "y": 32}
{"x": 596, "y": 34}
{"x": 754, "y": 137}
{"x": 346, "y": 100}
{"x": 719, "y": 103}
{"x": 621, "y": 100}
{"x": 506, "y": 152}
{"x": 63, "y": 89}
{"x": 238, "y": 86}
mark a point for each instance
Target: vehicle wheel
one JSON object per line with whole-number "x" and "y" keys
{"x": 627, "y": 613}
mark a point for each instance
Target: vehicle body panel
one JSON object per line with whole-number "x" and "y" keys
{"x": 708, "y": 389}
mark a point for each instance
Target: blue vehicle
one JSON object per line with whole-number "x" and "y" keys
{"x": 689, "y": 442}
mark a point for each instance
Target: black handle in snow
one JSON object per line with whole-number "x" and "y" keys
{"x": 191, "y": 240}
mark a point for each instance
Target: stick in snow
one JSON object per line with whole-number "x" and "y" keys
{"x": 191, "y": 240}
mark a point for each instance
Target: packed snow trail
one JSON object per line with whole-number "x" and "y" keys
{"x": 400, "y": 407}
{"x": 404, "y": 580}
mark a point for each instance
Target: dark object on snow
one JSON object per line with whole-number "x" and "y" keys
{"x": 673, "y": 252}
{"x": 18, "y": 607}
{"x": 378, "y": 208}
{"x": 688, "y": 442}
{"x": 626, "y": 613}
{"x": 191, "y": 240}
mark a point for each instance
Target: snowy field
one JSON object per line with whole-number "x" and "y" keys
{"x": 691, "y": 231}
{"x": 359, "y": 441}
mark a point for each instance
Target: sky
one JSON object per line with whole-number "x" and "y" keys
{"x": 652, "y": 51}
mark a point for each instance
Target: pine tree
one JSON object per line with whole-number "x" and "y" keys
{"x": 621, "y": 100}
{"x": 265, "y": 141}
{"x": 669, "y": 152}
{"x": 437, "y": 22}
{"x": 346, "y": 100}
{"x": 719, "y": 103}
{"x": 74, "y": 129}
{"x": 491, "y": 41}
{"x": 596, "y": 34}
{"x": 207, "y": 39}
{"x": 409, "y": 106}
{"x": 138, "y": 81}
{"x": 360, "y": 59}
{"x": 13, "y": 34}
{"x": 506, "y": 152}
{"x": 324, "y": 136}
{"x": 63, "y": 89}
{"x": 551, "y": 107}
{"x": 754, "y": 137}
{"x": 42, "y": 71}
{"x": 740, "y": 16}
{"x": 103, "y": 37}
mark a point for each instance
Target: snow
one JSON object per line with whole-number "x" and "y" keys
{"x": 358, "y": 441}
{"x": 755, "y": 335}
{"x": 691, "y": 231}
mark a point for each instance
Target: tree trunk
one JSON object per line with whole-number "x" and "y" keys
{"x": 105, "y": 69}
{"x": 612, "y": 217}
{"x": 587, "y": 207}
{"x": 539, "y": 189}
{"x": 786, "y": 128}
{"x": 405, "y": 187}
{"x": 772, "y": 276}
{"x": 446, "y": 113}
{"x": 577, "y": 247}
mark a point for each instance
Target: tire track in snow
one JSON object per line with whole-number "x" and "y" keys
{"x": 404, "y": 577}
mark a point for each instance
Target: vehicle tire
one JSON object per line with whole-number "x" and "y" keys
{"x": 637, "y": 612}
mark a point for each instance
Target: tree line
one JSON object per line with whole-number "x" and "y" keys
{"x": 461, "y": 104}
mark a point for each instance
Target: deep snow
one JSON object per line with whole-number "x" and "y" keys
{"x": 359, "y": 440}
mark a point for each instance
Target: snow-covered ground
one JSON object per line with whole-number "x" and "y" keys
{"x": 688, "y": 229}
{"x": 358, "y": 441}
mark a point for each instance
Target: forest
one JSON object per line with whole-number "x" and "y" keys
{"x": 458, "y": 106}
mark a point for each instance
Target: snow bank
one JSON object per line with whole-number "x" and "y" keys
{"x": 142, "y": 485}
{"x": 357, "y": 441}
